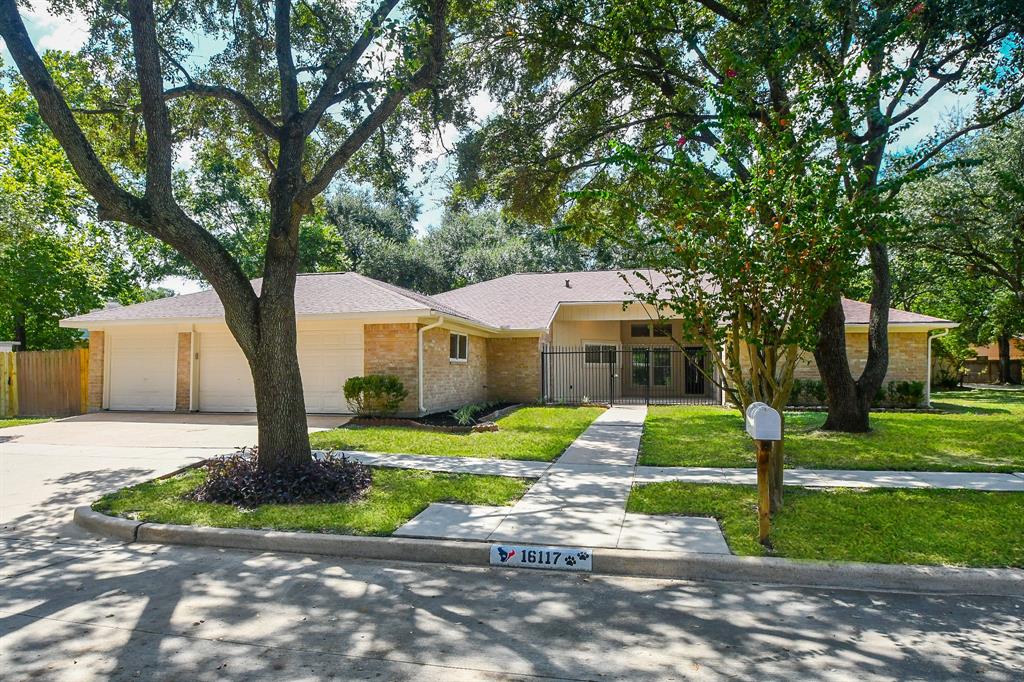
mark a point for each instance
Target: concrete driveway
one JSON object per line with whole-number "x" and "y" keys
{"x": 48, "y": 469}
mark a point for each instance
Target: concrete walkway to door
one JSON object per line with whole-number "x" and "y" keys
{"x": 579, "y": 501}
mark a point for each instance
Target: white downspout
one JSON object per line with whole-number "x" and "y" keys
{"x": 419, "y": 347}
{"x": 928, "y": 379}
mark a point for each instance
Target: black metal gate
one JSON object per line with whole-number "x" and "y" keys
{"x": 626, "y": 374}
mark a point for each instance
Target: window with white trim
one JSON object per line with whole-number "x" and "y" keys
{"x": 458, "y": 347}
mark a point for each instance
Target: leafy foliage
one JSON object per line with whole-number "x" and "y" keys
{"x": 375, "y": 395}
{"x": 237, "y": 480}
{"x": 962, "y": 256}
{"x": 55, "y": 260}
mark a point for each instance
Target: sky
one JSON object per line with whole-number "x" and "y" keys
{"x": 70, "y": 33}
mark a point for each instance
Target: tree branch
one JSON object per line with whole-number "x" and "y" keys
{"x": 433, "y": 61}
{"x": 159, "y": 150}
{"x": 285, "y": 62}
{"x": 246, "y": 106}
{"x": 329, "y": 90}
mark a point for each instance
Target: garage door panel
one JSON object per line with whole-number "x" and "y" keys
{"x": 142, "y": 370}
{"x": 326, "y": 360}
{"x": 225, "y": 380}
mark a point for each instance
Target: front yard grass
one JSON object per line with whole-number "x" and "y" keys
{"x": 945, "y": 527}
{"x": 535, "y": 433}
{"x": 22, "y": 421}
{"x": 983, "y": 431}
{"x": 394, "y": 497}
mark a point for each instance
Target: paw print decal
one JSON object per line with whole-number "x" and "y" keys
{"x": 570, "y": 560}
{"x": 582, "y": 556}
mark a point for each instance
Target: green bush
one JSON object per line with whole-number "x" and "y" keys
{"x": 375, "y": 395}
{"x": 808, "y": 392}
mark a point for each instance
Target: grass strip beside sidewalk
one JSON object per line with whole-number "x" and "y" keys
{"x": 939, "y": 527}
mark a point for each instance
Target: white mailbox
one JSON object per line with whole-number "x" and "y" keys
{"x": 763, "y": 422}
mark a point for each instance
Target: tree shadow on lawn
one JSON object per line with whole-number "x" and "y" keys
{"x": 201, "y": 613}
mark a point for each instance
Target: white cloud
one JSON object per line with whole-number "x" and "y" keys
{"x": 53, "y": 32}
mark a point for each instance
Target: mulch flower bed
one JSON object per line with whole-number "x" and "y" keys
{"x": 443, "y": 422}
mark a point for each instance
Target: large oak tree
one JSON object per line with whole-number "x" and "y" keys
{"x": 301, "y": 87}
{"x": 572, "y": 76}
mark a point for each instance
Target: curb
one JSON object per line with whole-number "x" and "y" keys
{"x": 1004, "y": 582}
{"x": 110, "y": 526}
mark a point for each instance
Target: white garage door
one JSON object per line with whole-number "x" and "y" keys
{"x": 225, "y": 381}
{"x": 326, "y": 360}
{"x": 142, "y": 369}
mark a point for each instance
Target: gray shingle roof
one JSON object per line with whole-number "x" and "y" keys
{"x": 529, "y": 300}
{"x": 520, "y": 301}
{"x": 315, "y": 294}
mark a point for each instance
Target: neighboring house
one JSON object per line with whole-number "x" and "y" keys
{"x": 557, "y": 337}
{"x": 984, "y": 368}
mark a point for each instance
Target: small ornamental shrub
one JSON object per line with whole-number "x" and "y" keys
{"x": 904, "y": 393}
{"x": 235, "y": 480}
{"x": 467, "y": 414}
{"x": 375, "y": 395}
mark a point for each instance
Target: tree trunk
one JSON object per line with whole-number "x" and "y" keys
{"x": 20, "y": 334}
{"x": 280, "y": 404}
{"x": 844, "y": 405}
{"x": 1005, "y": 377}
{"x": 849, "y": 400}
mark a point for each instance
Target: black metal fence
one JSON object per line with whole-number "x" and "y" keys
{"x": 610, "y": 373}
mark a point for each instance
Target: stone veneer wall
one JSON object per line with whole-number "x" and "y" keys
{"x": 392, "y": 349}
{"x": 449, "y": 385}
{"x": 97, "y": 343}
{"x": 183, "y": 376}
{"x": 513, "y": 369}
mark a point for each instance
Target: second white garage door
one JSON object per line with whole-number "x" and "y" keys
{"x": 327, "y": 357}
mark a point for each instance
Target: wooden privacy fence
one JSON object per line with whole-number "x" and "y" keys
{"x": 44, "y": 383}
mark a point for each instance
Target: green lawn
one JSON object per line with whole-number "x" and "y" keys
{"x": 984, "y": 431}
{"x": 539, "y": 433}
{"x": 948, "y": 527}
{"x": 395, "y": 496}
{"x": 21, "y": 421}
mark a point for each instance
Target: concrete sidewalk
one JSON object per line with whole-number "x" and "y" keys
{"x": 839, "y": 478}
{"x": 579, "y": 500}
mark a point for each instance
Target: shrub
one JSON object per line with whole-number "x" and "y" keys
{"x": 375, "y": 395}
{"x": 905, "y": 393}
{"x": 235, "y": 479}
{"x": 807, "y": 392}
{"x": 467, "y": 414}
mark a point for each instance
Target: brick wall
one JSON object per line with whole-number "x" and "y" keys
{"x": 96, "y": 357}
{"x": 183, "y": 380}
{"x": 449, "y": 385}
{"x": 513, "y": 369}
{"x": 392, "y": 349}
{"x": 908, "y": 356}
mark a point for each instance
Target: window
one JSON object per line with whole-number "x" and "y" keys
{"x": 598, "y": 353}
{"x": 643, "y": 330}
{"x": 458, "y": 347}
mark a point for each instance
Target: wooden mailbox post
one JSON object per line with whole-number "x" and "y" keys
{"x": 764, "y": 425}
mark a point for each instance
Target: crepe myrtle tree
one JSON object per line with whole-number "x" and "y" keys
{"x": 302, "y": 87}
{"x": 747, "y": 263}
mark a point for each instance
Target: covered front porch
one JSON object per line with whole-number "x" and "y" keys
{"x": 610, "y": 354}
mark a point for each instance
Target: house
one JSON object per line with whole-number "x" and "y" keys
{"x": 557, "y": 337}
{"x": 984, "y": 367}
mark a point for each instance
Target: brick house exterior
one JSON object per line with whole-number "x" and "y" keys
{"x": 483, "y": 342}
